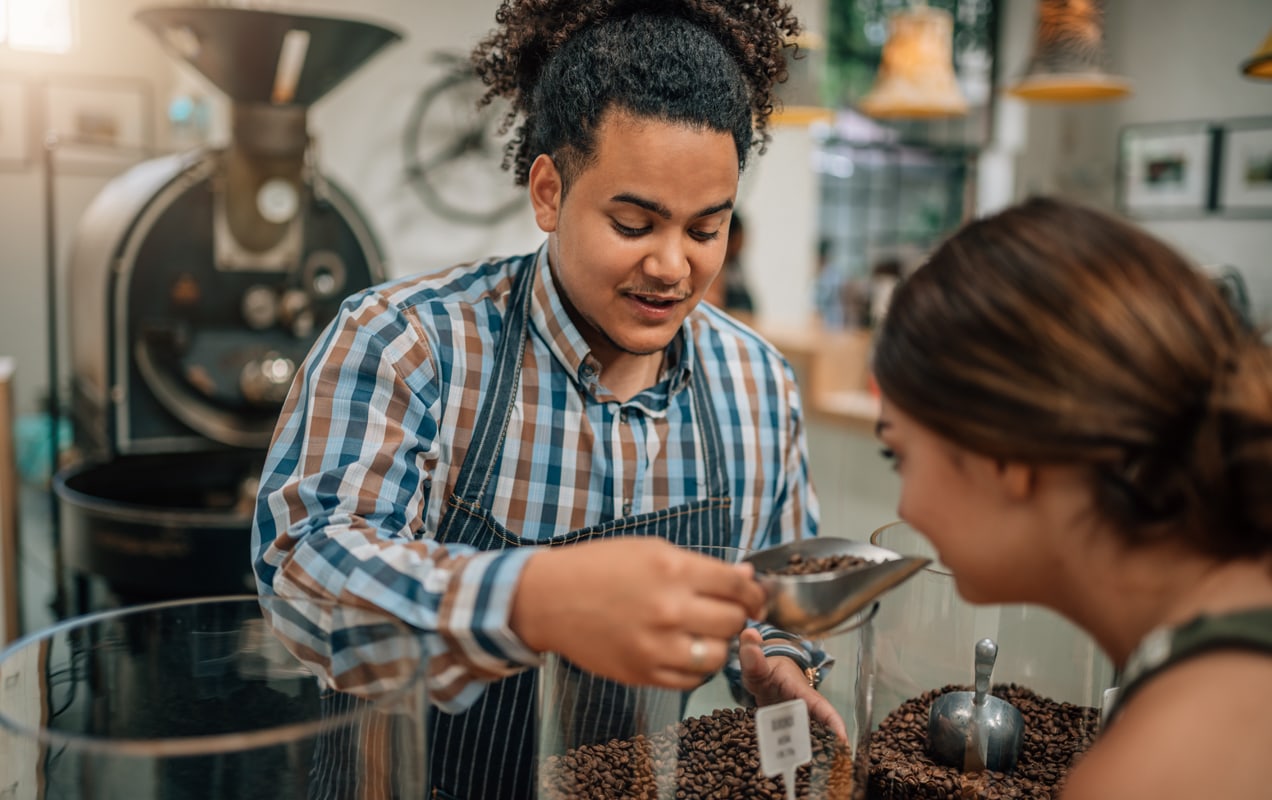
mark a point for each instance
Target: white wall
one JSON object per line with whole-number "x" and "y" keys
{"x": 1182, "y": 58}
{"x": 111, "y": 45}
{"x": 779, "y": 196}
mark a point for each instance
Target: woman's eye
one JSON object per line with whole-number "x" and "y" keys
{"x": 705, "y": 236}
{"x": 889, "y": 455}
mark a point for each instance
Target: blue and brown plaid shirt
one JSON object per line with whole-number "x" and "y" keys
{"x": 377, "y": 424}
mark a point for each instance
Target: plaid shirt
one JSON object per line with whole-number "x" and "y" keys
{"x": 376, "y": 427}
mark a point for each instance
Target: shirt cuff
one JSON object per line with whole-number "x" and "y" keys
{"x": 803, "y": 652}
{"x": 777, "y": 642}
{"x": 477, "y": 608}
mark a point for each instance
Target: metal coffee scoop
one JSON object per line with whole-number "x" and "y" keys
{"x": 815, "y": 603}
{"x": 975, "y": 731}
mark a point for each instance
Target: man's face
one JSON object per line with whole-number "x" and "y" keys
{"x": 641, "y": 233}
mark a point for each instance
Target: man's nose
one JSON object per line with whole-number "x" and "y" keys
{"x": 668, "y": 262}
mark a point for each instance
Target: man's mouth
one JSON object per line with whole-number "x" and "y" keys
{"x": 656, "y": 300}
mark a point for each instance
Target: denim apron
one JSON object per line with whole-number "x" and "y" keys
{"x": 488, "y": 751}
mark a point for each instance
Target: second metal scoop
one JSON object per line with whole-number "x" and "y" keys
{"x": 975, "y": 731}
{"x": 815, "y": 603}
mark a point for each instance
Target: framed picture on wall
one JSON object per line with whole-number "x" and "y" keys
{"x": 1166, "y": 169}
{"x": 1245, "y": 174}
{"x": 101, "y": 124}
{"x": 15, "y": 123}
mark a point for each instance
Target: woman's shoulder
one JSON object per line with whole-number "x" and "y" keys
{"x": 1203, "y": 728}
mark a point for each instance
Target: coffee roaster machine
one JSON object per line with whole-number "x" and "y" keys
{"x": 197, "y": 284}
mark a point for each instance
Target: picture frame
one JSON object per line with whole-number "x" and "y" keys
{"x": 15, "y": 123}
{"x": 1167, "y": 169}
{"x": 100, "y": 125}
{"x": 1245, "y": 174}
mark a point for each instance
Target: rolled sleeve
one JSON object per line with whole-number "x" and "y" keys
{"x": 344, "y": 492}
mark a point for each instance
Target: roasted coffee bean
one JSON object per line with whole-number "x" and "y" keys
{"x": 803, "y": 565}
{"x": 1055, "y": 735}
{"x": 713, "y": 756}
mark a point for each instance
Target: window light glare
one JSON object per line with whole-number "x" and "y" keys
{"x": 42, "y": 25}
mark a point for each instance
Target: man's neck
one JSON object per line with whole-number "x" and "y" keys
{"x": 627, "y": 374}
{"x": 624, "y": 374}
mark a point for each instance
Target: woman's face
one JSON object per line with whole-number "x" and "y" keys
{"x": 982, "y": 515}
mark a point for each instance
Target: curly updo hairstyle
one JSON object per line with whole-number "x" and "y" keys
{"x": 562, "y": 64}
{"x": 1054, "y": 333}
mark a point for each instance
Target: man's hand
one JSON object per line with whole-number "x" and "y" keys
{"x": 635, "y": 609}
{"x": 777, "y": 679}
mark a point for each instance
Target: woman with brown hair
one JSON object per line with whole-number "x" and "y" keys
{"x": 1080, "y": 421}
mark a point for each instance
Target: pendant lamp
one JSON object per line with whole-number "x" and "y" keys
{"x": 1068, "y": 60}
{"x": 1259, "y": 65}
{"x": 916, "y": 71}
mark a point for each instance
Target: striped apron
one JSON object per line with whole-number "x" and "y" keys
{"x": 488, "y": 752}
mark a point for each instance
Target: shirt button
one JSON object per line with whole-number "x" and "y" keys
{"x": 627, "y": 509}
{"x": 623, "y": 415}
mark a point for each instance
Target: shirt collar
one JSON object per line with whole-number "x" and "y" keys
{"x": 549, "y": 318}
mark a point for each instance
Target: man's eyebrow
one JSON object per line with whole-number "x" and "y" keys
{"x": 715, "y": 209}
{"x": 881, "y": 426}
{"x": 664, "y": 212}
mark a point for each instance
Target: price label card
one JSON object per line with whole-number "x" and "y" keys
{"x": 783, "y": 733}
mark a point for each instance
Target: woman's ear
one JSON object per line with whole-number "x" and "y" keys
{"x": 1018, "y": 479}
{"x": 545, "y": 192}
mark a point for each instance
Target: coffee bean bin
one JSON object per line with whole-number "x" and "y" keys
{"x": 925, "y": 639}
{"x": 232, "y": 696}
{"x": 601, "y": 739}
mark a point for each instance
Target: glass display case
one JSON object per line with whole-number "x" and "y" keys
{"x": 598, "y": 738}
{"x": 240, "y": 696}
{"x": 1051, "y": 671}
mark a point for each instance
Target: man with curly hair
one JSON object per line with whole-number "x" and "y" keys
{"x": 450, "y": 429}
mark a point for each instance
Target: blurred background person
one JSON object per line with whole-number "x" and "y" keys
{"x": 729, "y": 291}
{"x": 831, "y": 288}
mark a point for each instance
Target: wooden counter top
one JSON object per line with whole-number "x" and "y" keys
{"x": 857, "y": 409}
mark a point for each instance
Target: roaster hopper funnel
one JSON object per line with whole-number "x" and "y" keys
{"x": 257, "y": 56}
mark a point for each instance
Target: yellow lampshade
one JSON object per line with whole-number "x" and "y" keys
{"x": 1260, "y": 64}
{"x": 799, "y": 96}
{"x": 1068, "y": 60}
{"x": 916, "y": 71}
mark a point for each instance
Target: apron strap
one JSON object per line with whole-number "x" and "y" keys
{"x": 709, "y": 429}
{"x": 482, "y": 458}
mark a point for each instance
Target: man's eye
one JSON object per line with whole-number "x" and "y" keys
{"x": 888, "y": 454}
{"x": 626, "y": 231}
